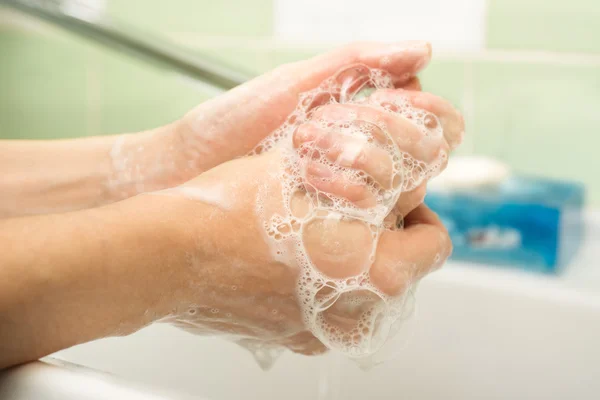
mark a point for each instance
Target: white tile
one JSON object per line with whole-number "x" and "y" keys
{"x": 450, "y": 25}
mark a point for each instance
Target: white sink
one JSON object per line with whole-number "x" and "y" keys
{"x": 479, "y": 333}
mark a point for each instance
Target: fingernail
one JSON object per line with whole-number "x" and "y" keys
{"x": 421, "y": 46}
{"x": 416, "y": 48}
{"x": 419, "y": 49}
{"x": 410, "y": 56}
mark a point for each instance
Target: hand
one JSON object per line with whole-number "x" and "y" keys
{"x": 300, "y": 247}
{"x": 230, "y": 125}
{"x": 297, "y": 246}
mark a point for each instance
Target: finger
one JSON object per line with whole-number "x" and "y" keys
{"x": 322, "y": 178}
{"x": 348, "y": 151}
{"x": 403, "y": 60}
{"x": 423, "y": 216}
{"x": 405, "y": 256}
{"x": 413, "y": 84}
{"x": 408, "y": 201}
{"x": 354, "y": 81}
{"x": 263, "y": 104}
{"x": 452, "y": 122}
{"x": 405, "y": 134}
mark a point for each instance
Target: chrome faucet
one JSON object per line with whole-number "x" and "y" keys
{"x": 78, "y": 17}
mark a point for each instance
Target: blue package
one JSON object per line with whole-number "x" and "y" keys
{"x": 532, "y": 223}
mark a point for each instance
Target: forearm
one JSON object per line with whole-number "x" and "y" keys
{"x": 42, "y": 177}
{"x": 70, "y": 278}
{"x": 53, "y": 176}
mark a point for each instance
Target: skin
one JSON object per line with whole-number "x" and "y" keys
{"x": 168, "y": 255}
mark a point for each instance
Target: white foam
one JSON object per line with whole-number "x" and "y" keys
{"x": 352, "y": 151}
{"x": 348, "y": 314}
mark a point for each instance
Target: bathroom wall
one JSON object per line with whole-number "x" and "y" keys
{"x": 526, "y": 73}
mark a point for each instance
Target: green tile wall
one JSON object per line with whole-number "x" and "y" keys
{"x": 251, "y": 61}
{"x": 134, "y": 96}
{"x": 55, "y": 85}
{"x": 447, "y": 78}
{"x": 211, "y": 17}
{"x": 550, "y": 25}
{"x": 541, "y": 119}
{"x": 42, "y": 87}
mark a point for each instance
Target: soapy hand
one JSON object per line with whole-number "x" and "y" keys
{"x": 230, "y": 125}
{"x": 314, "y": 240}
{"x": 304, "y": 249}
{"x": 313, "y": 283}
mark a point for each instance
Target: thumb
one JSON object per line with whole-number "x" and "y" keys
{"x": 236, "y": 121}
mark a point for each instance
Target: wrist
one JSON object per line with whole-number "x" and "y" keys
{"x": 154, "y": 244}
{"x": 145, "y": 162}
